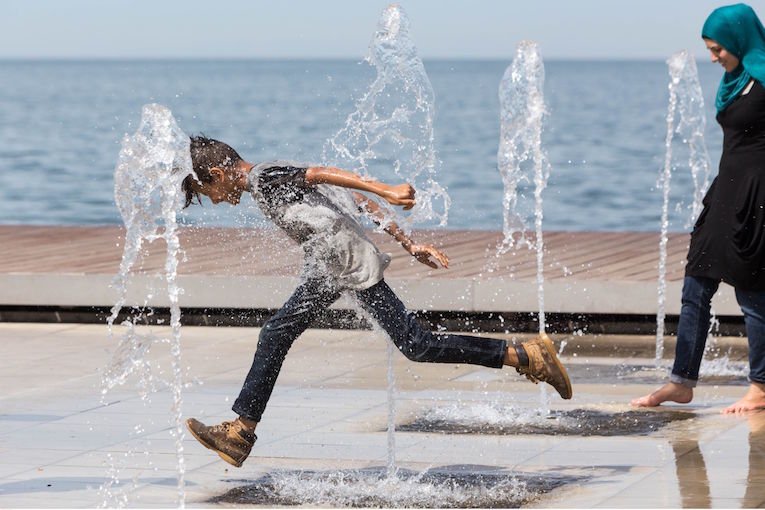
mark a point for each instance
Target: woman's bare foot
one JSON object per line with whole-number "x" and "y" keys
{"x": 752, "y": 401}
{"x": 670, "y": 391}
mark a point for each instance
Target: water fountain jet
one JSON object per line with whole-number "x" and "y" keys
{"x": 390, "y": 137}
{"x": 147, "y": 190}
{"x": 686, "y": 119}
{"x": 522, "y": 110}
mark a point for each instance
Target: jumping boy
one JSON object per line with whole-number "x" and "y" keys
{"x": 338, "y": 257}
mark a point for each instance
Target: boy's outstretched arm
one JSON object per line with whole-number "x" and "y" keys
{"x": 422, "y": 252}
{"x": 401, "y": 194}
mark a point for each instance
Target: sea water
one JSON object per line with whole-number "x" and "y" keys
{"x": 604, "y": 135}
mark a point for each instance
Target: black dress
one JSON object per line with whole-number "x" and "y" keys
{"x": 728, "y": 240}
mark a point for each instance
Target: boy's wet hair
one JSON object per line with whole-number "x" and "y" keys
{"x": 207, "y": 153}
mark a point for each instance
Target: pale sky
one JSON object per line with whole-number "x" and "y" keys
{"x": 305, "y": 29}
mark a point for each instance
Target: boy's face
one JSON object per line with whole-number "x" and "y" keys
{"x": 226, "y": 186}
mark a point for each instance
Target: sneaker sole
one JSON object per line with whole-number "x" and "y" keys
{"x": 207, "y": 445}
{"x": 551, "y": 350}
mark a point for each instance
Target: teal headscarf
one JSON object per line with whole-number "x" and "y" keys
{"x": 738, "y": 29}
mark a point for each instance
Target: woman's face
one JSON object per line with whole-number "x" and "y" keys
{"x": 721, "y": 55}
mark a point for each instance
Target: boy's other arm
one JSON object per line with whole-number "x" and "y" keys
{"x": 401, "y": 194}
{"x": 422, "y": 252}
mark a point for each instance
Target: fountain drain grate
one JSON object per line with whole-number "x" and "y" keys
{"x": 452, "y": 487}
{"x": 577, "y": 422}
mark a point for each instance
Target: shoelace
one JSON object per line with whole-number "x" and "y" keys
{"x": 227, "y": 426}
{"x": 224, "y": 426}
{"x": 526, "y": 371}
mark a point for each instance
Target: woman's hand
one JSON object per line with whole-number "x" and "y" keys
{"x": 423, "y": 253}
{"x": 401, "y": 194}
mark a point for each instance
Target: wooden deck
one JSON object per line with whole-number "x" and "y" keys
{"x": 624, "y": 256}
{"x": 595, "y": 272}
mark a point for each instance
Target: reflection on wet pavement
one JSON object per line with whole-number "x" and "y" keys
{"x": 691, "y": 474}
{"x": 755, "y": 480}
{"x": 692, "y": 470}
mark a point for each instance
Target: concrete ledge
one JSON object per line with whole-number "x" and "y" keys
{"x": 270, "y": 292}
{"x": 338, "y": 318}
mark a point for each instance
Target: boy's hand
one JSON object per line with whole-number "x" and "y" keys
{"x": 402, "y": 194}
{"x": 423, "y": 252}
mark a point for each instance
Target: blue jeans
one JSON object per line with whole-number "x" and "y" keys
{"x": 693, "y": 328}
{"x": 312, "y": 297}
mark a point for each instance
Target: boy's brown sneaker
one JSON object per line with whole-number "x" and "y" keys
{"x": 229, "y": 439}
{"x": 545, "y": 366}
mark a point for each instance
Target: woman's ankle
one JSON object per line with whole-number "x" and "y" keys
{"x": 757, "y": 387}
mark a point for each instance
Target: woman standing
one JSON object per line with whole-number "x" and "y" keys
{"x": 728, "y": 240}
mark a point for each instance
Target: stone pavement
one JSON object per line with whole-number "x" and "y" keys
{"x": 60, "y": 446}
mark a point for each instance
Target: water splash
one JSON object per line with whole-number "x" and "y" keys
{"x": 721, "y": 366}
{"x": 520, "y": 155}
{"x": 489, "y": 415}
{"x": 685, "y": 119}
{"x": 507, "y": 419}
{"x": 131, "y": 357}
{"x": 372, "y": 488}
{"x": 390, "y": 135}
{"x": 147, "y": 189}
{"x": 112, "y": 494}
{"x": 715, "y": 363}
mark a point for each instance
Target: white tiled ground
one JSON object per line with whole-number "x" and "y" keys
{"x": 59, "y": 442}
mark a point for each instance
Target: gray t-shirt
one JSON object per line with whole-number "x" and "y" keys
{"x": 323, "y": 220}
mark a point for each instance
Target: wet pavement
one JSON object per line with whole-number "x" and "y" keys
{"x": 468, "y": 436}
{"x": 493, "y": 419}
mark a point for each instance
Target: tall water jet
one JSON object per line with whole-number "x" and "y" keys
{"x": 389, "y": 137}
{"x": 147, "y": 189}
{"x": 686, "y": 119}
{"x": 390, "y": 134}
{"x": 520, "y": 157}
{"x": 391, "y": 374}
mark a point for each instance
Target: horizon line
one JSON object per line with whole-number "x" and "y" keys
{"x": 314, "y": 59}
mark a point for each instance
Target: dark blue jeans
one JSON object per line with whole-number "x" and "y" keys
{"x": 693, "y": 327}
{"x": 311, "y": 298}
